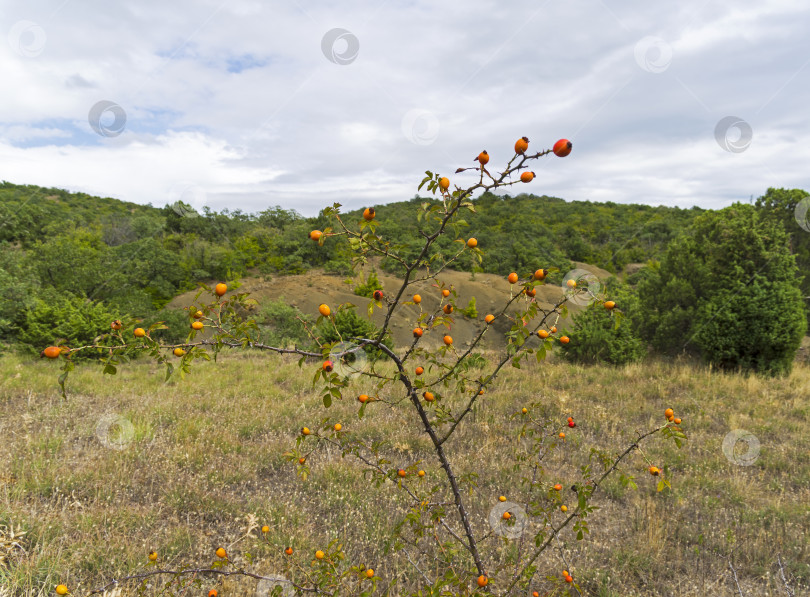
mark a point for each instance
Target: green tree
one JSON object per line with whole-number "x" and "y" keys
{"x": 790, "y": 207}
{"x": 730, "y": 289}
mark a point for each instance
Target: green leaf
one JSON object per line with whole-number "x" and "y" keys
{"x": 327, "y": 400}
{"x": 109, "y": 369}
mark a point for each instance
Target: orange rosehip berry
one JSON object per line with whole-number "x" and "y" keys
{"x": 507, "y": 516}
{"x": 265, "y": 529}
{"x": 319, "y": 555}
{"x": 221, "y": 553}
{"x": 417, "y": 299}
{"x": 152, "y": 556}
{"x": 61, "y": 590}
{"x": 401, "y": 472}
{"x": 179, "y": 352}
{"x": 609, "y": 305}
{"x": 221, "y": 289}
{"x": 513, "y": 278}
{"x": 448, "y": 340}
{"x": 363, "y": 398}
{"x": 472, "y": 242}
{"x": 370, "y": 573}
{"x": 419, "y": 370}
{"x": 316, "y": 235}
{"x": 562, "y": 148}
{"x": 139, "y": 332}
{"x": 677, "y": 420}
{"x": 368, "y": 214}
{"x": 565, "y": 339}
{"x": 482, "y": 581}
{"x": 197, "y": 325}
{"x": 116, "y": 325}
{"x": 52, "y": 352}
{"x": 502, "y": 498}
{"x": 338, "y": 427}
{"x": 378, "y": 295}
{"x": 417, "y": 332}
{"x": 540, "y": 274}
{"x": 669, "y": 413}
{"x": 542, "y": 334}
{"x": 324, "y": 310}
{"x": 429, "y": 396}
{"x": 328, "y": 366}
{"x": 444, "y": 183}
{"x": 557, "y": 487}
{"x": 483, "y": 157}
{"x": 445, "y": 292}
{"x": 421, "y": 473}
{"x": 289, "y": 551}
{"x": 489, "y": 318}
{"x": 527, "y": 177}
{"x": 521, "y": 145}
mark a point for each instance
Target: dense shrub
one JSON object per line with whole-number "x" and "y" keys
{"x": 730, "y": 289}
{"x": 368, "y": 287}
{"x": 349, "y": 325}
{"x": 60, "y": 316}
{"x": 282, "y": 324}
{"x": 600, "y": 336}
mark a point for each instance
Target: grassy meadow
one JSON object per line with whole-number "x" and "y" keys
{"x": 196, "y": 464}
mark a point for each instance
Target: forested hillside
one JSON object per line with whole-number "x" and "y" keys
{"x": 70, "y": 262}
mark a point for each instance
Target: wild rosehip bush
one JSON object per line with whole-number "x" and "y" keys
{"x": 445, "y": 527}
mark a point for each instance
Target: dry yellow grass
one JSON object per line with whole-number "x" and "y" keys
{"x": 129, "y": 464}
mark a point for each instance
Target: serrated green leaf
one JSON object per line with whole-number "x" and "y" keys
{"x": 327, "y": 400}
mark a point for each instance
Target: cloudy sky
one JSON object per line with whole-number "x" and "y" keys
{"x": 249, "y": 104}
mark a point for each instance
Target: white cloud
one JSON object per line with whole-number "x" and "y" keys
{"x": 238, "y": 99}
